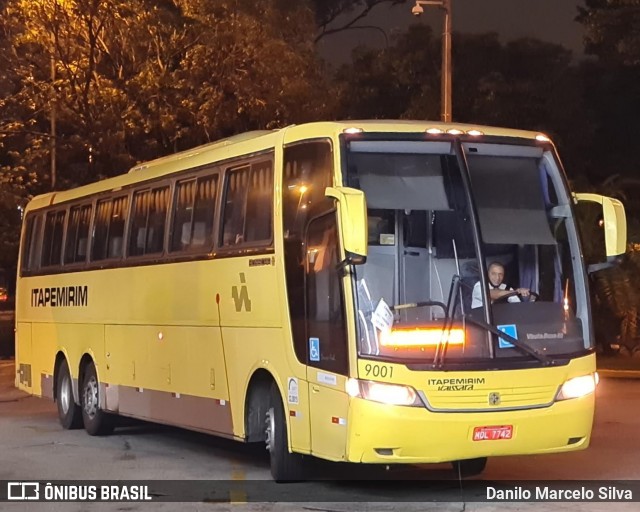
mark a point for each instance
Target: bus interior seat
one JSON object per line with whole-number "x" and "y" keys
{"x": 199, "y": 234}
{"x": 115, "y": 247}
{"x": 82, "y": 247}
{"x": 140, "y": 238}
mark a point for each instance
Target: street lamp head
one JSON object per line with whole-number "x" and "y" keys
{"x": 417, "y": 10}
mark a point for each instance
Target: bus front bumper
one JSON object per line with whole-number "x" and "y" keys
{"x": 380, "y": 433}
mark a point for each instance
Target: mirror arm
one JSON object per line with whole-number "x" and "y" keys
{"x": 611, "y": 262}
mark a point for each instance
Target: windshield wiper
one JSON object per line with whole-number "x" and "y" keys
{"x": 443, "y": 343}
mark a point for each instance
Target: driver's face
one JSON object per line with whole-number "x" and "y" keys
{"x": 496, "y": 275}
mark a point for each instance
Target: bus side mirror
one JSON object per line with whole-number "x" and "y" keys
{"x": 352, "y": 216}
{"x": 606, "y": 223}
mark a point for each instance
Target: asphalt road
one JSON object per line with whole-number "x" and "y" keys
{"x": 34, "y": 447}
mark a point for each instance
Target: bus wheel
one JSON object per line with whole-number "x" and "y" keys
{"x": 469, "y": 467}
{"x": 69, "y": 413}
{"x": 96, "y": 421}
{"x": 285, "y": 466}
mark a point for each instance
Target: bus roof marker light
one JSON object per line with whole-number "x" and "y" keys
{"x": 434, "y": 131}
{"x": 475, "y": 133}
{"x": 542, "y": 138}
{"x": 454, "y": 131}
{"x": 352, "y": 129}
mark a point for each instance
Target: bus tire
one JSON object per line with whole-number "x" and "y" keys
{"x": 469, "y": 467}
{"x": 96, "y": 421}
{"x": 69, "y": 413}
{"x": 285, "y": 466}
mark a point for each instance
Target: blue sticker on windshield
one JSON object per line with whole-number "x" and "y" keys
{"x": 314, "y": 349}
{"x": 509, "y": 329}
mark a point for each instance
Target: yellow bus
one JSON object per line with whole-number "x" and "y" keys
{"x": 313, "y": 288}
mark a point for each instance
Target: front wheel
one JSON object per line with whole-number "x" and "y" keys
{"x": 285, "y": 466}
{"x": 96, "y": 421}
{"x": 469, "y": 467}
{"x": 69, "y": 412}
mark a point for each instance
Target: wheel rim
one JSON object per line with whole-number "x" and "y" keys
{"x": 270, "y": 430}
{"x": 65, "y": 394}
{"x": 91, "y": 397}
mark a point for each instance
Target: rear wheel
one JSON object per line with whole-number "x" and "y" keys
{"x": 96, "y": 421}
{"x": 285, "y": 466}
{"x": 69, "y": 413}
{"x": 469, "y": 467}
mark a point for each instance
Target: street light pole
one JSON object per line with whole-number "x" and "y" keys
{"x": 446, "y": 103}
{"x": 52, "y": 139}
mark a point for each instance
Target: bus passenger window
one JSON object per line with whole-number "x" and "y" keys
{"x": 108, "y": 231}
{"x": 193, "y": 215}
{"x": 52, "y": 245}
{"x": 77, "y": 234}
{"x": 149, "y": 221}
{"x": 259, "y": 203}
{"x": 236, "y": 198}
{"x": 32, "y": 243}
{"x": 247, "y": 215}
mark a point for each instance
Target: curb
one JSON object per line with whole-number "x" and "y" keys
{"x": 619, "y": 374}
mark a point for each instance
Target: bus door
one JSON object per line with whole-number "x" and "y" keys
{"x": 327, "y": 354}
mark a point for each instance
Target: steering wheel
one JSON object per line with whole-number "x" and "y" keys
{"x": 533, "y": 296}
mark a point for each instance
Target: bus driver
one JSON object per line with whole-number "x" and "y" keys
{"x": 497, "y": 289}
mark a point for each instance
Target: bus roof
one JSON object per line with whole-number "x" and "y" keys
{"x": 255, "y": 142}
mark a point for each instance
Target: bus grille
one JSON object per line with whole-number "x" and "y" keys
{"x": 490, "y": 399}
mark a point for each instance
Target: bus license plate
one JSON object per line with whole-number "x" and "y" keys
{"x": 492, "y": 433}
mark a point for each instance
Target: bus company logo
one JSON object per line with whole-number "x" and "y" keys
{"x": 62, "y": 296}
{"x": 494, "y": 398}
{"x": 241, "y": 297}
{"x": 23, "y": 491}
{"x": 464, "y": 384}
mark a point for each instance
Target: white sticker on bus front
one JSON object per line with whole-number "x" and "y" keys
{"x": 292, "y": 390}
{"x": 327, "y": 378}
{"x": 382, "y": 317}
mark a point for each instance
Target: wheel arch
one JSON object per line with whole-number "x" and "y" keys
{"x": 85, "y": 360}
{"x": 256, "y": 404}
{"x": 61, "y": 356}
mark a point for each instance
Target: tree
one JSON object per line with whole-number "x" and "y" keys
{"x": 612, "y": 37}
{"x": 334, "y": 16}
{"x": 612, "y": 30}
{"x": 131, "y": 80}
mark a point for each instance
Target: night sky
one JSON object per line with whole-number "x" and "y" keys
{"x": 548, "y": 20}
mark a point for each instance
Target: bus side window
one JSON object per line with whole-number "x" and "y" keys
{"x": 149, "y": 221}
{"x": 52, "y": 245}
{"x": 259, "y": 203}
{"x": 77, "y": 234}
{"x": 233, "y": 217}
{"x": 108, "y": 231}
{"x": 193, "y": 215}
{"x": 32, "y": 244}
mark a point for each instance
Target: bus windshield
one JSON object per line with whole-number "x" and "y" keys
{"x": 465, "y": 244}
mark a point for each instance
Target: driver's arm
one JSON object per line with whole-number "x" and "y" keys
{"x": 496, "y": 294}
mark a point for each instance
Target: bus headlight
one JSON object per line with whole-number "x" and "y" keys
{"x": 578, "y": 386}
{"x": 391, "y": 394}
